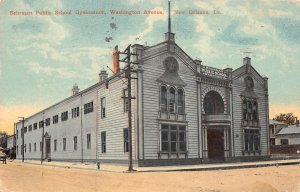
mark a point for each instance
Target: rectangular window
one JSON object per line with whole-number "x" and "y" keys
{"x": 25, "y": 148}
{"x": 64, "y": 116}
{"x": 41, "y": 124}
{"x": 64, "y": 144}
{"x": 30, "y": 128}
{"x": 29, "y": 147}
{"x": 34, "y": 126}
{"x": 34, "y": 147}
{"x": 126, "y": 101}
{"x": 47, "y": 122}
{"x": 88, "y": 141}
{"x": 126, "y": 139}
{"x": 173, "y": 138}
{"x": 250, "y": 112}
{"x": 75, "y": 143}
{"x": 55, "y": 144}
{"x": 25, "y": 129}
{"x": 17, "y": 134}
{"x": 40, "y": 146}
{"x": 103, "y": 142}
{"x": 272, "y": 141}
{"x": 75, "y": 112}
{"x": 252, "y": 140}
{"x": 88, "y": 107}
{"x": 55, "y": 119}
{"x": 17, "y": 149}
{"x": 103, "y": 107}
{"x": 284, "y": 141}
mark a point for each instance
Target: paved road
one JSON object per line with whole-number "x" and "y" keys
{"x": 27, "y": 177}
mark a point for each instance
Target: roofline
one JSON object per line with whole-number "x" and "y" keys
{"x": 77, "y": 94}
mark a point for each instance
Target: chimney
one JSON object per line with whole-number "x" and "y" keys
{"x": 247, "y": 61}
{"x": 102, "y": 75}
{"x": 75, "y": 89}
{"x": 116, "y": 64}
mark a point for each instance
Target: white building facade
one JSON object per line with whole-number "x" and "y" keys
{"x": 184, "y": 113}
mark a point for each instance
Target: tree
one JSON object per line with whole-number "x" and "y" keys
{"x": 3, "y": 139}
{"x": 287, "y": 118}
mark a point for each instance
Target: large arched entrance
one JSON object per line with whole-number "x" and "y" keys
{"x": 213, "y": 103}
{"x": 215, "y": 131}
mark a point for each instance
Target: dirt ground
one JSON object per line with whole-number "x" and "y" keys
{"x": 18, "y": 177}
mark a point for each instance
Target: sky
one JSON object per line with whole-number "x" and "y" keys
{"x": 42, "y": 56}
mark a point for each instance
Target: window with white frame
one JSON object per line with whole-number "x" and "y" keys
{"x": 172, "y": 103}
{"x": 163, "y": 99}
{"x": 41, "y": 124}
{"x": 55, "y": 144}
{"x": 171, "y": 100}
{"x": 180, "y": 101}
{"x": 30, "y": 128}
{"x": 173, "y": 138}
{"x": 88, "y": 107}
{"x": 64, "y": 144}
{"x": 126, "y": 101}
{"x": 88, "y": 141}
{"x": 252, "y": 141}
{"x": 250, "y": 112}
{"x": 75, "y": 112}
{"x": 55, "y": 119}
{"x": 75, "y": 143}
{"x": 47, "y": 122}
{"x": 103, "y": 107}
{"x": 103, "y": 142}
{"x": 126, "y": 139}
{"x": 64, "y": 116}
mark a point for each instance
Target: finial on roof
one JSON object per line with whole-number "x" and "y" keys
{"x": 169, "y": 20}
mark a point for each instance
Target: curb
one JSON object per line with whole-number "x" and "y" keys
{"x": 226, "y": 167}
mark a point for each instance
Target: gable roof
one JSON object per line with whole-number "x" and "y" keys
{"x": 292, "y": 129}
{"x": 272, "y": 121}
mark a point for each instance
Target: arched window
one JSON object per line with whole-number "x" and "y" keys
{"x": 180, "y": 101}
{"x": 172, "y": 100}
{"x": 163, "y": 99}
{"x": 213, "y": 103}
{"x": 255, "y": 115}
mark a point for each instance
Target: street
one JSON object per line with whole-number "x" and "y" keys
{"x": 15, "y": 177}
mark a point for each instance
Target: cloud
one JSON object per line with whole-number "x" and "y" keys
{"x": 150, "y": 21}
{"x": 204, "y": 43}
{"x": 39, "y": 69}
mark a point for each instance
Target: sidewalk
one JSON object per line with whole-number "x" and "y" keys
{"x": 123, "y": 168}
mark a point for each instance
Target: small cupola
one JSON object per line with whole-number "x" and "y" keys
{"x": 103, "y": 75}
{"x": 75, "y": 89}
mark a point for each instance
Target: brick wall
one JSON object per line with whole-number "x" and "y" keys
{"x": 285, "y": 149}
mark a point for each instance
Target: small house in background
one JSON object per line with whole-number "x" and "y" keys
{"x": 274, "y": 128}
{"x": 287, "y": 140}
{"x": 11, "y": 146}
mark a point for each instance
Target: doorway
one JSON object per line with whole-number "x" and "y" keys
{"x": 215, "y": 143}
{"x": 48, "y": 148}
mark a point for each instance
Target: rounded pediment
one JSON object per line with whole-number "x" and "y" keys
{"x": 171, "y": 65}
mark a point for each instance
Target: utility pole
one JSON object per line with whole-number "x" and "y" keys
{"x": 128, "y": 72}
{"x": 42, "y": 152}
{"x": 22, "y": 133}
